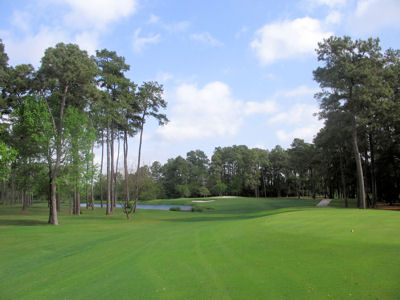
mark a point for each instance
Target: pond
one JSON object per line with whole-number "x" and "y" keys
{"x": 150, "y": 206}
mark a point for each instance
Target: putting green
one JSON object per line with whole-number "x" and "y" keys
{"x": 244, "y": 248}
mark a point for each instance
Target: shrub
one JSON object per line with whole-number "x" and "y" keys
{"x": 175, "y": 208}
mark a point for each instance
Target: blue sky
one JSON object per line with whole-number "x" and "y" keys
{"x": 234, "y": 72}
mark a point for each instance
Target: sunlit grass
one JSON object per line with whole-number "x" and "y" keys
{"x": 245, "y": 248}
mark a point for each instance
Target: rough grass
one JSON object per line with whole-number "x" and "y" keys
{"x": 244, "y": 248}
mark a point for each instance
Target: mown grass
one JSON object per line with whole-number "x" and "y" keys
{"x": 244, "y": 248}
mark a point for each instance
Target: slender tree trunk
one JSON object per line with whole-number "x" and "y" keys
{"x": 101, "y": 169}
{"x": 360, "y": 177}
{"x": 3, "y": 192}
{"x": 112, "y": 169}
{"x": 91, "y": 179}
{"x": 343, "y": 180}
{"x": 115, "y": 175}
{"x": 24, "y": 204}
{"x": 373, "y": 177}
{"x": 127, "y": 208}
{"x": 108, "y": 209}
{"x": 138, "y": 166}
{"x": 13, "y": 188}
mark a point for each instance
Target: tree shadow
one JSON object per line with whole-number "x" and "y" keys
{"x": 208, "y": 216}
{"x": 19, "y": 222}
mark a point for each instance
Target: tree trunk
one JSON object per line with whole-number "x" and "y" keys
{"x": 91, "y": 179}
{"x": 13, "y": 189}
{"x": 53, "y": 219}
{"x": 115, "y": 175}
{"x": 360, "y": 177}
{"x": 101, "y": 169}
{"x": 58, "y": 204}
{"x": 138, "y": 166}
{"x": 112, "y": 169}
{"x": 108, "y": 209}
{"x": 24, "y": 204}
{"x": 343, "y": 180}
{"x": 127, "y": 209}
{"x": 373, "y": 177}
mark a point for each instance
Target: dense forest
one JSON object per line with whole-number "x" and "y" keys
{"x": 52, "y": 118}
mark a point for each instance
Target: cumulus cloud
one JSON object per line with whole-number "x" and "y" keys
{"x": 206, "y": 38}
{"x": 140, "y": 42}
{"x": 287, "y": 39}
{"x": 302, "y": 120}
{"x": 266, "y": 107}
{"x": 211, "y": 111}
{"x": 372, "y": 15}
{"x": 37, "y": 43}
{"x": 205, "y": 112}
{"x": 98, "y": 13}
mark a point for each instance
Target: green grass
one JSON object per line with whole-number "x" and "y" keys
{"x": 244, "y": 248}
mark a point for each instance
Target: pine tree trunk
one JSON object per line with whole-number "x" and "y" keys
{"x": 24, "y": 204}
{"x": 108, "y": 208}
{"x": 138, "y": 166}
{"x": 126, "y": 167}
{"x": 13, "y": 189}
{"x": 112, "y": 169}
{"x": 360, "y": 177}
{"x": 101, "y": 169}
{"x": 115, "y": 176}
{"x": 343, "y": 180}
{"x": 91, "y": 179}
{"x": 373, "y": 177}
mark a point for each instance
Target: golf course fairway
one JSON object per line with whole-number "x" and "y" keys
{"x": 240, "y": 248}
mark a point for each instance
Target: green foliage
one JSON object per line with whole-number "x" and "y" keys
{"x": 175, "y": 208}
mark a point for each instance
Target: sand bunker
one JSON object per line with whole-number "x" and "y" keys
{"x": 202, "y": 201}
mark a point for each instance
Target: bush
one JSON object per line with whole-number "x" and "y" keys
{"x": 175, "y": 208}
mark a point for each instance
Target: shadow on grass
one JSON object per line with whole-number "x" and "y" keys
{"x": 211, "y": 217}
{"x": 22, "y": 222}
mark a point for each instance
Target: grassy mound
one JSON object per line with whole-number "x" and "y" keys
{"x": 243, "y": 248}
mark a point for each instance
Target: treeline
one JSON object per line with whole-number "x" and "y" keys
{"x": 53, "y": 117}
{"x": 355, "y": 155}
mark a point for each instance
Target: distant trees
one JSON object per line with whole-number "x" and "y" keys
{"x": 51, "y": 119}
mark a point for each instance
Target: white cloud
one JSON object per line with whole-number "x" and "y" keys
{"x": 98, "y": 13}
{"x": 30, "y": 48}
{"x": 334, "y": 17}
{"x": 306, "y": 133}
{"x": 287, "y": 39}
{"x": 266, "y": 107}
{"x": 302, "y": 118}
{"x": 372, "y": 15}
{"x": 205, "y": 112}
{"x": 139, "y": 43}
{"x": 205, "y": 38}
{"x": 296, "y": 115}
{"x": 209, "y": 112}
{"x": 88, "y": 41}
{"x": 301, "y": 91}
